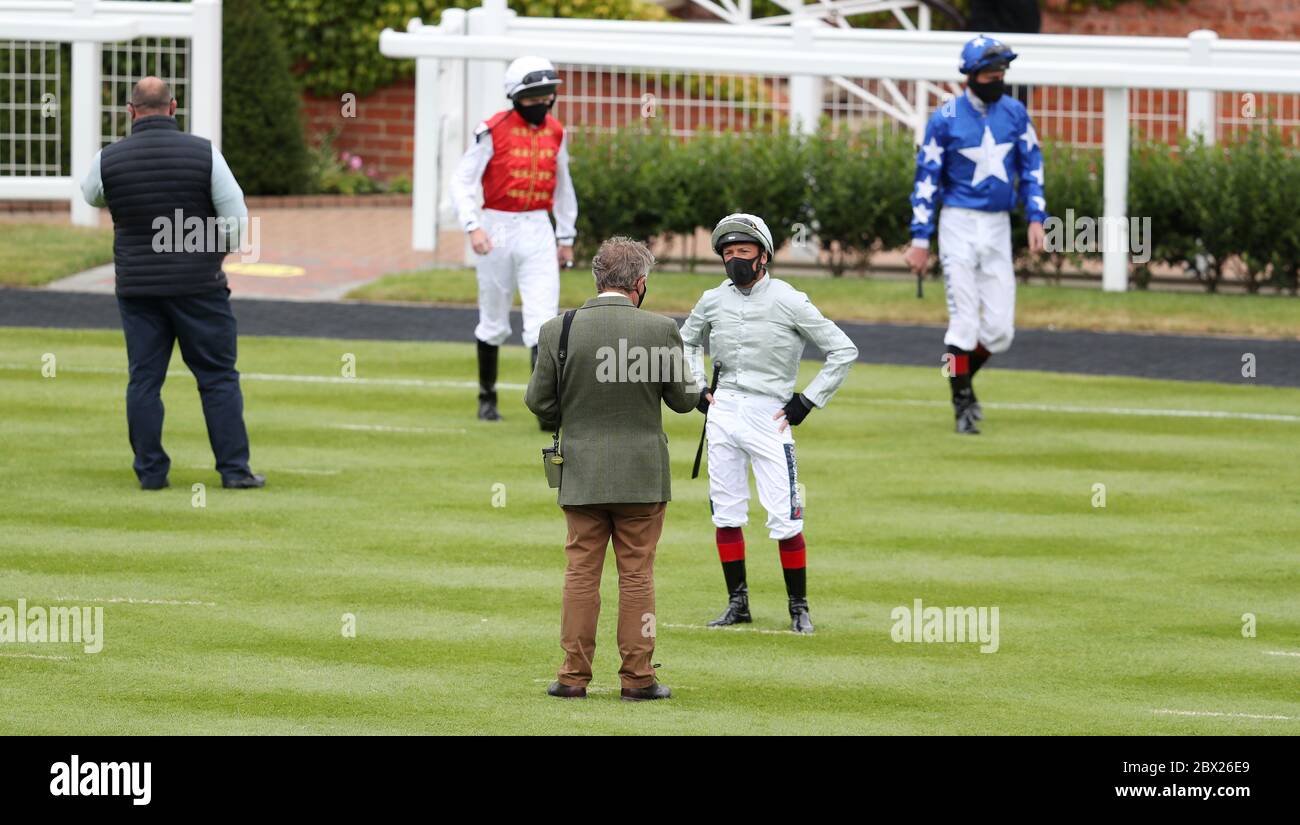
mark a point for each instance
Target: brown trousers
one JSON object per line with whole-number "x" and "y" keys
{"x": 635, "y": 529}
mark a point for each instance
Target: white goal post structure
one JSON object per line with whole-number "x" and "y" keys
{"x": 460, "y": 63}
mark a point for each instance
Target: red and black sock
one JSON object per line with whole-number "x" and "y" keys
{"x": 959, "y": 371}
{"x": 731, "y": 550}
{"x": 794, "y": 564}
{"x": 977, "y": 359}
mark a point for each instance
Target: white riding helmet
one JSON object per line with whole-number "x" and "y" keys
{"x": 740, "y": 227}
{"x": 534, "y": 75}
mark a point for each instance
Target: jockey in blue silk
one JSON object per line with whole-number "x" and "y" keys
{"x": 979, "y": 160}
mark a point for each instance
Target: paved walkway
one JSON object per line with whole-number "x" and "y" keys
{"x": 1184, "y": 358}
{"x": 313, "y": 254}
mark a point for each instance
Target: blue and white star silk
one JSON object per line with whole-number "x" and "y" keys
{"x": 975, "y": 160}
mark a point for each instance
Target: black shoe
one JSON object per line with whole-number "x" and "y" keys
{"x": 252, "y": 481}
{"x": 964, "y": 405}
{"x": 487, "y": 407}
{"x": 966, "y": 422}
{"x": 646, "y": 694}
{"x": 800, "y": 621}
{"x": 737, "y": 611}
{"x": 561, "y": 691}
{"x": 155, "y": 484}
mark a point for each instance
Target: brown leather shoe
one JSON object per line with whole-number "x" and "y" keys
{"x": 646, "y": 694}
{"x": 566, "y": 691}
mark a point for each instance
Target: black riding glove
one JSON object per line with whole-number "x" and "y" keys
{"x": 797, "y": 409}
{"x": 703, "y": 405}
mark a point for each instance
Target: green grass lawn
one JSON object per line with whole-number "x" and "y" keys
{"x": 32, "y": 254}
{"x": 894, "y": 301}
{"x": 1107, "y": 615}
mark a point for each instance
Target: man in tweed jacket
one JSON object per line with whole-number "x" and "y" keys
{"x": 621, "y": 362}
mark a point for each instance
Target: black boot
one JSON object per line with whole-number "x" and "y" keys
{"x": 963, "y": 396}
{"x": 737, "y": 611}
{"x": 800, "y": 622}
{"x": 487, "y": 407}
{"x": 965, "y": 409}
{"x": 487, "y": 382}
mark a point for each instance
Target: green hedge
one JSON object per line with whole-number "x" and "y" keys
{"x": 1228, "y": 201}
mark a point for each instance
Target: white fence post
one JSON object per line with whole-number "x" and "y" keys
{"x": 921, "y": 95}
{"x": 1115, "y": 134}
{"x": 1202, "y": 106}
{"x": 453, "y": 136}
{"x": 85, "y": 128}
{"x": 205, "y": 71}
{"x": 424, "y": 168}
{"x": 805, "y": 89}
{"x": 484, "y": 95}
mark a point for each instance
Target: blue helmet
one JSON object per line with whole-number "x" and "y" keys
{"x": 985, "y": 53}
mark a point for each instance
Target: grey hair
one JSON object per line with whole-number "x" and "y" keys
{"x": 620, "y": 263}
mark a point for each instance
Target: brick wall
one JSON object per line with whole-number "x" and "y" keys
{"x": 382, "y": 133}
{"x": 1232, "y": 19}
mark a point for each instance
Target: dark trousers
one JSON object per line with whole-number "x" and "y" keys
{"x": 205, "y": 328}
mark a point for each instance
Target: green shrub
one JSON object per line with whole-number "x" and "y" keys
{"x": 620, "y": 179}
{"x": 261, "y": 130}
{"x": 851, "y": 191}
{"x": 861, "y": 183}
{"x": 1072, "y": 181}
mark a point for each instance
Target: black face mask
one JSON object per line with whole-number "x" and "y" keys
{"x": 742, "y": 271}
{"x": 640, "y": 296}
{"x": 534, "y": 114}
{"x": 988, "y": 92}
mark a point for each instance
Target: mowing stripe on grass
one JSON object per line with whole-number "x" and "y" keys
{"x": 910, "y": 402}
{"x": 291, "y": 470}
{"x": 36, "y": 656}
{"x": 1066, "y": 408}
{"x": 733, "y": 629}
{"x": 286, "y": 377}
{"x": 1281, "y": 653}
{"x": 385, "y": 428}
{"x": 1167, "y": 712}
{"x": 133, "y": 600}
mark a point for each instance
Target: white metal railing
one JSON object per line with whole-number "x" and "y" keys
{"x": 460, "y": 63}
{"x": 91, "y": 27}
